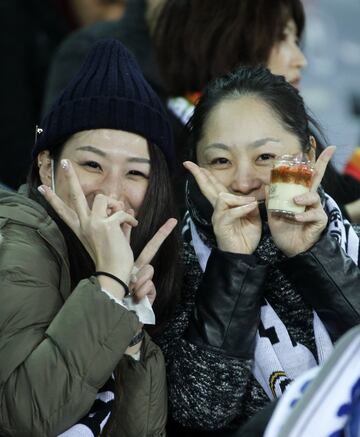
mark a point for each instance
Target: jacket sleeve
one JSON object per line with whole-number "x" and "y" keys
{"x": 209, "y": 346}
{"x": 54, "y": 355}
{"x": 329, "y": 281}
{"x": 143, "y": 394}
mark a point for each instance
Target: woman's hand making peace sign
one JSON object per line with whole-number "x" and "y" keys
{"x": 105, "y": 232}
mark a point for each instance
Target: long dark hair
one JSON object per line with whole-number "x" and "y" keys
{"x": 198, "y": 40}
{"x": 157, "y": 207}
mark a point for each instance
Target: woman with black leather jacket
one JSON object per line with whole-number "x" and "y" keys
{"x": 264, "y": 296}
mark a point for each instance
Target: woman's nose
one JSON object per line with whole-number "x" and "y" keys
{"x": 299, "y": 58}
{"x": 245, "y": 182}
{"x": 113, "y": 187}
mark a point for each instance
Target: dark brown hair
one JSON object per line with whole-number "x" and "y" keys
{"x": 198, "y": 40}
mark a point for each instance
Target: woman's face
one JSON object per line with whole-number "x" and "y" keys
{"x": 110, "y": 162}
{"x": 286, "y": 58}
{"x": 241, "y": 138}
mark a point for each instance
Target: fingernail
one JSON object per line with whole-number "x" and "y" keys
{"x": 41, "y": 189}
{"x": 249, "y": 204}
{"x": 65, "y": 164}
{"x": 170, "y": 224}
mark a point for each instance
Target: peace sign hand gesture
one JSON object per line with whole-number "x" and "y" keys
{"x": 236, "y": 219}
{"x": 99, "y": 228}
{"x": 293, "y": 236}
{"x": 141, "y": 283}
{"x": 105, "y": 232}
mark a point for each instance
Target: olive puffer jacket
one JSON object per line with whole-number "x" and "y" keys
{"x": 59, "y": 346}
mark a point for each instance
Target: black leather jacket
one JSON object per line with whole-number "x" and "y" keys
{"x": 325, "y": 276}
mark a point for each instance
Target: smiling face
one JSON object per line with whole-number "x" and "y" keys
{"x": 241, "y": 138}
{"x": 110, "y": 162}
{"x": 286, "y": 58}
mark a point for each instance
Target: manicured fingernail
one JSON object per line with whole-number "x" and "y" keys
{"x": 65, "y": 164}
{"x": 41, "y": 189}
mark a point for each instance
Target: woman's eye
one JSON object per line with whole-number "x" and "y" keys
{"x": 265, "y": 157}
{"x": 289, "y": 36}
{"x": 92, "y": 164}
{"x": 138, "y": 173}
{"x": 219, "y": 161}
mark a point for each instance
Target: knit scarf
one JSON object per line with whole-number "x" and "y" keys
{"x": 277, "y": 359}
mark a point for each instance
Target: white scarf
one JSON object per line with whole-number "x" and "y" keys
{"x": 275, "y": 365}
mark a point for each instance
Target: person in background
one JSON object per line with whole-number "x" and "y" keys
{"x": 87, "y": 12}
{"x": 196, "y": 41}
{"x": 85, "y": 232}
{"x": 264, "y": 296}
{"x": 133, "y": 30}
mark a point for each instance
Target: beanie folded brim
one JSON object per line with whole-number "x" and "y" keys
{"x": 110, "y": 113}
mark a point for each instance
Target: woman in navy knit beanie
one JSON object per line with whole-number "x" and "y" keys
{"x": 85, "y": 248}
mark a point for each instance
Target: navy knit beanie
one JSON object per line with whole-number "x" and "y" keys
{"x": 109, "y": 92}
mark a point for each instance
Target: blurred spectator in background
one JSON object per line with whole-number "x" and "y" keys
{"x": 88, "y": 12}
{"x": 133, "y": 30}
{"x": 30, "y": 31}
